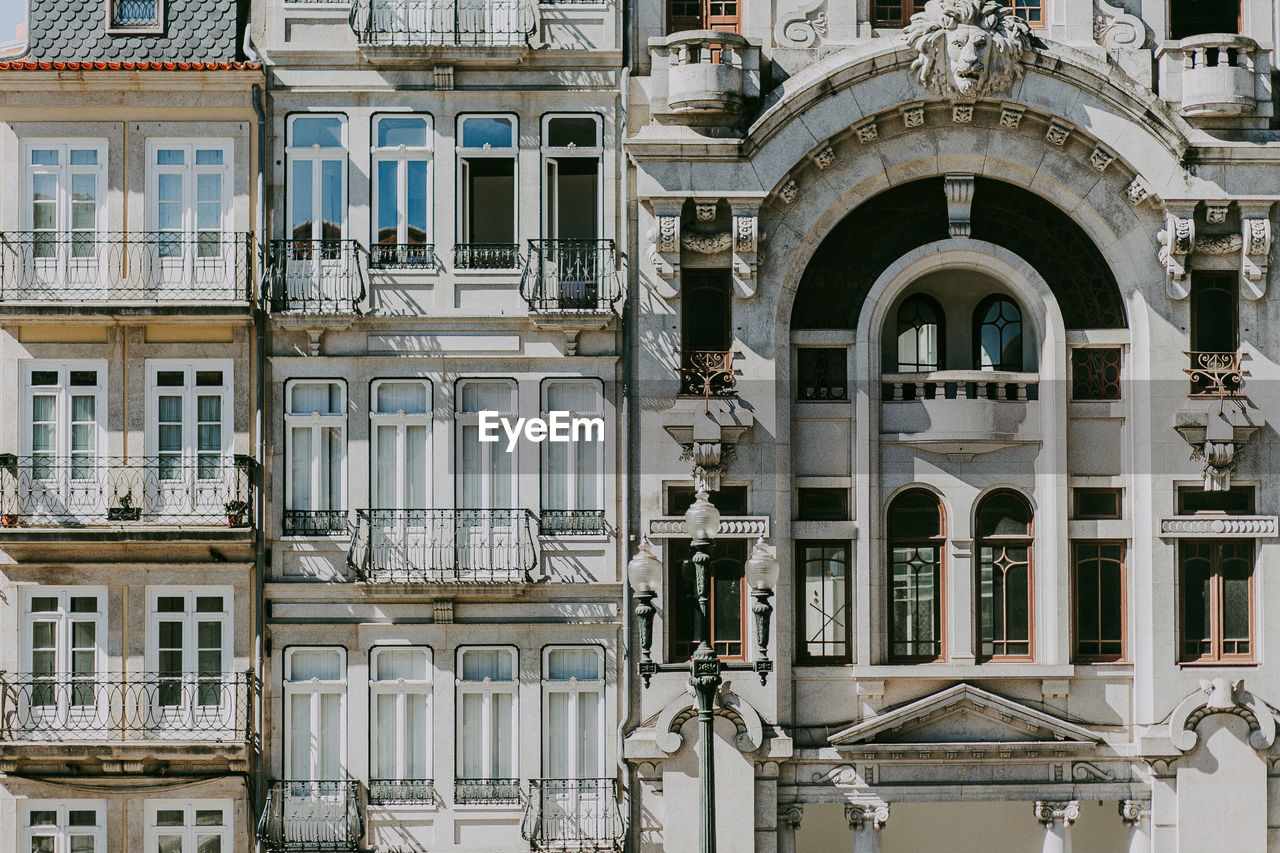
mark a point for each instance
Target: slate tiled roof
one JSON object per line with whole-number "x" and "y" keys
{"x": 76, "y": 31}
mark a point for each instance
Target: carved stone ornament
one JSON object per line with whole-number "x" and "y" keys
{"x": 1137, "y": 192}
{"x": 962, "y": 114}
{"x": 1115, "y": 29}
{"x": 789, "y": 191}
{"x": 803, "y": 26}
{"x": 1218, "y": 244}
{"x": 1256, "y": 240}
{"x": 1176, "y": 242}
{"x": 874, "y": 815}
{"x": 868, "y": 132}
{"x": 825, "y": 157}
{"x": 1133, "y": 811}
{"x": 1215, "y": 214}
{"x": 710, "y": 459}
{"x": 705, "y": 211}
{"x": 790, "y": 815}
{"x": 1057, "y": 133}
{"x": 1100, "y": 158}
{"x": 668, "y": 234}
{"x": 1222, "y": 696}
{"x": 967, "y": 49}
{"x": 707, "y": 244}
{"x": 913, "y": 116}
{"x": 1218, "y": 461}
{"x": 1011, "y": 117}
{"x": 1049, "y": 813}
{"x": 959, "y": 189}
{"x": 744, "y": 234}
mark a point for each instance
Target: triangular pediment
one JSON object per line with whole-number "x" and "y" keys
{"x": 967, "y": 715}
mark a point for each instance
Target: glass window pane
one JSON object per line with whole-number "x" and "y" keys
{"x": 486, "y": 396}
{"x": 324, "y": 132}
{"x": 407, "y": 397}
{"x": 494, "y": 131}
{"x": 409, "y": 664}
{"x": 409, "y": 132}
{"x": 578, "y": 131}
{"x": 209, "y": 157}
{"x": 494, "y": 664}
{"x": 388, "y": 172}
{"x": 82, "y": 157}
{"x": 324, "y": 664}
{"x": 582, "y": 664}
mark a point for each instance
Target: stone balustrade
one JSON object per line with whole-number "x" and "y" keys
{"x": 704, "y": 73}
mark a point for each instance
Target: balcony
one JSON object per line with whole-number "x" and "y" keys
{"x": 961, "y": 412}
{"x": 321, "y": 816}
{"x": 109, "y": 271}
{"x": 402, "y": 792}
{"x": 571, "y": 277}
{"x": 443, "y": 546}
{"x": 315, "y": 277}
{"x": 703, "y": 76}
{"x": 1219, "y": 76}
{"x": 486, "y": 792}
{"x": 407, "y": 31}
{"x": 572, "y": 522}
{"x": 132, "y": 493}
{"x": 315, "y": 522}
{"x": 573, "y": 814}
{"x": 403, "y": 256}
{"x": 707, "y": 373}
{"x": 1214, "y": 374}
{"x": 133, "y": 708}
{"x": 486, "y": 256}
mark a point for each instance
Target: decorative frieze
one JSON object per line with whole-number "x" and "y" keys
{"x": 740, "y": 527}
{"x": 707, "y": 244}
{"x": 867, "y": 132}
{"x": 1219, "y": 527}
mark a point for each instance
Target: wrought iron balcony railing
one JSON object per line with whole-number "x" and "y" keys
{"x": 135, "y": 13}
{"x": 571, "y": 275}
{"x": 1215, "y": 374}
{"x": 573, "y": 814}
{"x": 707, "y": 373}
{"x": 403, "y": 256}
{"x": 413, "y": 546}
{"x": 83, "y": 490}
{"x": 486, "y": 791}
{"x": 157, "y": 266}
{"x": 201, "y": 707}
{"x": 315, "y": 522}
{"x": 571, "y": 522}
{"x": 315, "y": 276}
{"x": 441, "y": 23}
{"x": 317, "y": 816}
{"x": 402, "y": 792}
{"x": 486, "y": 256}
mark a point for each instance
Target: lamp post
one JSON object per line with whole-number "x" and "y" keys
{"x": 702, "y": 520}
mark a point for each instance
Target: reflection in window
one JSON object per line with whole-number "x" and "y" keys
{"x": 997, "y": 335}
{"x": 1217, "y": 600}
{"x": 317, "y": 177}
{"x": 920, "y": 330}
{"x": 402, "y": 162}
{"x": 1004, "y": 576}
{"x": 916, "y": 541}
{"x": 824, "y": 607}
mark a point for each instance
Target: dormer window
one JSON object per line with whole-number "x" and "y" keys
{"x": 135, "y": 16}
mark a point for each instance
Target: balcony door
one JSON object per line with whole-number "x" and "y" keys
{"x": 190, "y": 688}
{"x": 189, "y": 472}
{"x": 720, "y": 15}
{"x": 571, "y": 155}
{"x": 63, "y": 655}
{"x": 486, "y": 531}
{"x": 318, "y": 262}
{"x": 189, "y": 252}
{"x": 63, "y": 254}
{"x": 407, "y": 539}
{"x": 61, "y": 475}
{"x": 315, "y": 803}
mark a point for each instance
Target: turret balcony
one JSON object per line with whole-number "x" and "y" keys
{"x": 960, "y": 412}
{"x": 704, "y": 76}
{"x": 1221, "y": 75}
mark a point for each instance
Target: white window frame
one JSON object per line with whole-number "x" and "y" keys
{"x": 465, "y": 154}
{"x": 487, "y": 688}
{"x": 400, "y": 688}
{"x": 401, "y": 421}
{"x": 464, "y": 419}
{"x": 62, "y": 618}
{"x": 401, "y": 155}
{"x": 317, "y": 423}
{"x": 315, "y": 687}
{"x": 550, "y": 155}
{"x": 190, "y": 617}
{"x": 211, "y": 720}
{"x": 64, "y": 392}
{"x": 114, "y": 26}
{"x": 571, "y": 456}
{"x": 190, "y": 172}
{"x": 64, "y": 170}
{"x": 190, "y": 833}
{"x": 316, "y": 155}
{"x": 63, "y": 831}
{"x": 574, "y": 688}
{"x": 190, "y": 391}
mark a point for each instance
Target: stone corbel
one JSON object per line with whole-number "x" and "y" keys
{"x": 746, "y": 249}
{"x": 1222, "y": 696}
{"x": 959, "y": 189}
{"x": 1256, "y": 234}
{"x": 665, "y": 241}
{"x": 710, "y": 459}
{"x": 1176, "y": 242}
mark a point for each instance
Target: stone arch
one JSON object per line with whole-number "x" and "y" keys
{"x": 748, "y": 727}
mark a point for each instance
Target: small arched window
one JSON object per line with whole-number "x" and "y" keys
{"x": 1003, "y": 549}
{"x": 916, "y": 540}
{"x": 920, "y": 335}
{"x": 997, "y": 335}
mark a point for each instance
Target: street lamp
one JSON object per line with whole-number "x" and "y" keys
{"x": 702, "y": 521}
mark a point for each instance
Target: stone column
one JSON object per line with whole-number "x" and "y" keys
{"x": 866, "y": 821}
{"x": 789, "y": 817}
{"x": 1136, "y": 815}
{"x": 1056, "y": 818}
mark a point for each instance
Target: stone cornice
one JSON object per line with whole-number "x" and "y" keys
{"x": 1219, "y": 527}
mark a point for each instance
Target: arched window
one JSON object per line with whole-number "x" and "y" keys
{"x": 920, "y": 335}
{"x": 997, "y": 335}
{"x": 916, "y": 540}
{"x": 1004, "y": 576}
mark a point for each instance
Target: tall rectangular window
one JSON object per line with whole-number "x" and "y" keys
{"x": 573, "y": 482}
{"x": 823, "y": 583}
{"x": 65, "y": 194}
{"x": 400, "y": 708}
{"x": 189, "y": 648}
{"x": 917, "y": 540}
{"x": 1215, "y": 334}
{"x": 189, "y": 196}
{"x": 706, "y": 338}
{"x": 316, "y": 451}
{"x": 487, "y": 231}
{"x": 1098, "y": 584}
{"x": 487, "y": 745}
{"x": 189, "y": 469}
{"x": 317, "y": 156}
{"x": 400, "y": 429}
{"x": 315, "y": 702}
{"x": 62, "y": 826}
{"x": 573, "y": 713}
{"x": 727, "y": 591}
{"x": 63, "y": 429}
{"x": 202, "y": 826}
{"x": 402, "y": 191}
{"x": 63, "y": 647}
{"x": 487, "y": 469}
{"x": 1216, "y": 580}
{"x": 571, "y": 153}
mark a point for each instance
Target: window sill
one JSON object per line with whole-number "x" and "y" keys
{"x": 489, "y": 807}
{"x": 547, "y": 538}
{"x": 1221, "y": 664}
{"x": 952, "y": 670}
{"x": 509, "y": 272}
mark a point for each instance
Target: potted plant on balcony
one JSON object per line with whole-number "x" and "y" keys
{"x": 126, "y": 511}
{"x": 9, "y": 519}
{"x": 237, "y": 510}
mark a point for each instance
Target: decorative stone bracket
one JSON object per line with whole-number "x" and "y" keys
{"x": 1176, "y": 242}
{"x": 664, "y": 249}
{"x": 1179, "y": 240}
{"x": 710, "y": 459}
{"x": 959, "y": 189}
{"x": 1254, "y": 251}
{"x": 1217, "y": 436}
{"x": 1222, "y": 696}
{"x": 746, "y": 249}
{"x": 667, "y": 238}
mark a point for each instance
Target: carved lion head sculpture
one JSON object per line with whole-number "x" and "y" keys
{"x": 968, "y": 48}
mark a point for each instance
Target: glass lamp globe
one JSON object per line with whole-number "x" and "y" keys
{"x": 702, "y": 519}
{"x": 762, "y": 567}
{"x": 645, "y": 569}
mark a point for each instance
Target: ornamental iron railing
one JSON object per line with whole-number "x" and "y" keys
{"x": 311, "y": 816}
{"x": 1215, "y": 374}
{"x": 316, "y": 522}
{"x": 217, "y": 707}
{"x": 403, "y": 256}
{"x": 440, "y": 23}
{"x": 486, "y": 256}
{"x": 315, "y": 276}
{"x": 570, "y": 522}
{"x": 135, "y": 13}
{"x": 573, "y": 814}
{"x": 571, "y": 275}
{"x": 83, "y": 490}
{"x": 486, "y": 791}
{"x": 415, "y": 546}
{"x": 707, "y": 373}
{"x": 156, "y": 266}
{"x": 402, "y": 792}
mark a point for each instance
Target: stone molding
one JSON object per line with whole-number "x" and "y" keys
{"x": 803, "y": 26}
{"x": 959, "y": 189}
{"x": 1222, "y": 696}
{"x": 1219, "y": 527}
{"x": 749, "y": 728}
{"x": 868, "y": 815}
{"x": 1133, "y": 812}
{"x": 731, "y": 527}
{"x": 1065, "y": 812}
{"x": 1116, "y": 29}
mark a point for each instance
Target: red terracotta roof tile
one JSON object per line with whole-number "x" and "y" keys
{"x": 28, "y": 65}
